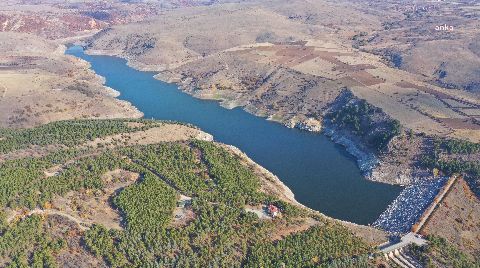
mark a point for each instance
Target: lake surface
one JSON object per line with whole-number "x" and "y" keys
{"x": 321, "y": 174}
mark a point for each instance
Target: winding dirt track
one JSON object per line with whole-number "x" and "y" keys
{"x": 81, "y": 224}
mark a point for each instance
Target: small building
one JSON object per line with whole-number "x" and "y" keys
{"x": 273, "y": 210}
{"x": 184, "y": 203}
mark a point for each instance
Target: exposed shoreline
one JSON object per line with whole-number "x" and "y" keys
{"x": 376, "y": 235}
{"x": 111, "y": 92}
{"x": 286, "y": 191}
{"x": 364, "y": 161}
{"x": 41, "y": 84}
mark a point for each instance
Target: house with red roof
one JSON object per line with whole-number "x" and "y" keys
{"x": 273, "y": 210}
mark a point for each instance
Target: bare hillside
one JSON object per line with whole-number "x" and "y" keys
{"x": 39, "y": 84}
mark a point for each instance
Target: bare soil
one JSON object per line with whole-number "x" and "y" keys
{"x": 40, "y": 84}
{"x": 457, "y": 219}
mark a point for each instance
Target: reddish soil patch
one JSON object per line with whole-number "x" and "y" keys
{"x": 294, "y": 54}
{"x": 435, "y": 93}
{"x": 331, "y": 57}
{"x": 303, "y": 59}
{"x": 294, "y": 51}
{"x": 81, "y": 23}
{"x": 356, "y": 67}
{"x": 284, "y": 60}
{"x": 366, "y": 78}
{"x": 182, "y": 217}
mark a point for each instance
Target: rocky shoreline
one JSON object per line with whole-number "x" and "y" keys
{"x": 373, "y": 235}
{"x": 366, "y": 161}
{"x": 134, "y": 112}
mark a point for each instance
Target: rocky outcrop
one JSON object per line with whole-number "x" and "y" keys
{"x": 366, "y": 160}
{"x": 309, "y": 124}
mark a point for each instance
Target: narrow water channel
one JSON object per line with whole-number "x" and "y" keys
{"x": 320, "y": 173}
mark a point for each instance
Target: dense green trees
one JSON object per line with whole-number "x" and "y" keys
{"x": 446, "y": 156}
{"x": 440, "y": 251}
{"x": 28, "y": 244}
{"x": 318, "y": 246}
{"x": 352, "y": 115}
{"x": 221, "y": 233}
{"x": 454, "y": 146}
{"x": 213, "y": 177}
{"x": 147, "y": 206}
{"x": 216, "y": 176}
{"x": 358, "y": 116}
{"x": 23, "y": 182}
{"x": 452, "y": 166}
{"x": 101, "y": 243}
{"x": 67, "y": 132}
{"x": 235, "y": 183}
{"x": 176, "y": 164}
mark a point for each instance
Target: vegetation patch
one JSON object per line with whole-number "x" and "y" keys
{"x": 323, "y": 246}
{"x": 67, "y": 133}
{"x": 220, "y": 234}
{"x": 366, "y": 121}
{"x": 454, "y": 156}
{"x": 148, "y": 205}
{"x": 441, "y": 253}
{"x": 455, "y": 146}
{"x": 28, "y": 244}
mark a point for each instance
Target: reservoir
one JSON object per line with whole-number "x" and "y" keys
{"x": 321, "y": 174}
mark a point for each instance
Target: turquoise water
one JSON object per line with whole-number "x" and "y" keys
{"x": 321, "y": 174}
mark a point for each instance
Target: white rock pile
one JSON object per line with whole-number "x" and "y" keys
{"x": 409, "y": 206}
